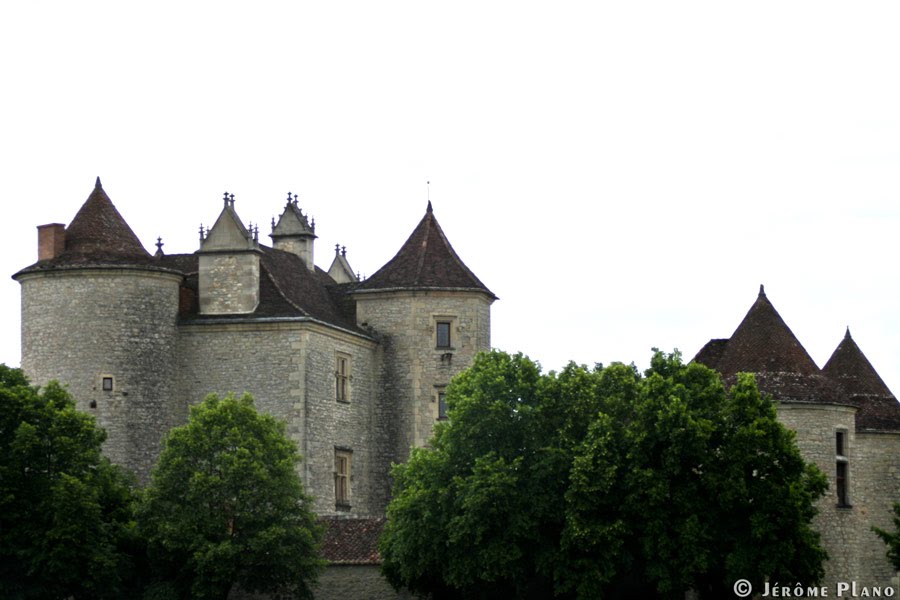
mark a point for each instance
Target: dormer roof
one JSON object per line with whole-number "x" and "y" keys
{"x": 425, "y": 261}
{"x": 763, "y": 343}
{"x": 98, "y": 228}
{"x": 293, "y": 222}
{"x": 228, "y": 233}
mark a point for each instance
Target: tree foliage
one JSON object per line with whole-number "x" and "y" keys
{"x": 226, "y": 507}
{"x": 595, "y": 482}
{"x": 892, "y": 538}
{"x": 65, "y": 511}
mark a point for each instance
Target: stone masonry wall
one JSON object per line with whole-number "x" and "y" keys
{"x": 229, "y": 283}
{"x": 289, "y": 368}
{"x": 79, "y": 326}
{"x": 414, "y": 369}
{"x": 816, "y": 426}
{"x": 876, "y": 471}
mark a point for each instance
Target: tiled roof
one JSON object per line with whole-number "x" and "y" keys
{"x": 763, "y": 343}
{"x": 425, "y": 261}
{"x": 98, "y": 228}
{"x": 851, "y": 367}
{"x": 286, "y": 288}
{"x": 351, "y": 541}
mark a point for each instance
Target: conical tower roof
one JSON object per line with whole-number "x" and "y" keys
{"x": 98, "y": 228}
{"x": 850, "y": 367}
{"x": 763, "y": 343}
{"x": 425, "y": 261}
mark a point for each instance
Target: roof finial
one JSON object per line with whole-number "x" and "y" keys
{"x": 159, "y": 245}
{"x": 762, "y": 291}
{"x": 337, "y": 249}
{"x": 231, "y": 197}
{"x": 97, "y": 185}
{"x": 225, "y": 198}
{"x": 847, "y": 335}
{"x": 344, "y": 251}
{"x": 289, "y": 199}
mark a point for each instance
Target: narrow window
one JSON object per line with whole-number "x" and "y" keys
{"x": 443, "y": 334}
{"x": 107, "y": 383}
{"x": 342, "y": 378}
{"x": 342, "y": 479}
{"x": 442, "y": 405}
{"x": 842, "y": 469}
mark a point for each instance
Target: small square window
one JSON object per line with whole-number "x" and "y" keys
{"x": 443, "y": 334}
{"x": 107, "y": 384}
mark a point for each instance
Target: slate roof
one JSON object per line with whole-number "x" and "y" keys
{"x": 763, "y": 344}
{"x": 425, "y": 261}
{"x": 352, "y": 541}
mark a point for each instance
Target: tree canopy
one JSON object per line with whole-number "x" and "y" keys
{"x": 892, "y": 538}
{"x": 225, "y": 506}
{"x": 65, "y": 511}
{"x": 595, "y": 482}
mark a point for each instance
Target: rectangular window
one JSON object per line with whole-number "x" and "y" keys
{"x": 443, "y": 334}
{"x": 342, "y": 378}
{"x": 841, "y": 484}
{"x": 107, "y": 383}
{"x": 342, "y": 479}
{"x": 442, "y": 405}
{"x": 842, "y": 468}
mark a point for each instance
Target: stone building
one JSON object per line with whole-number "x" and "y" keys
{"x": 355, "y": 368}
{"x": 847, "y": 422}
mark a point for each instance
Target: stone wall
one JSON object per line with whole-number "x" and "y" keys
{"x": 855, "y": 553}
{"x": 289, "y": 368}
{"x": 229, "y": 283}
{"x": 414, "y": 369}
{"x": 81, "y": 326}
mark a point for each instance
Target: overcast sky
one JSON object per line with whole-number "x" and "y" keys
{"x": 622, "y": 175}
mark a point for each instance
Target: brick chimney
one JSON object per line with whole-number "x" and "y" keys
{"x": 51, "y": 240}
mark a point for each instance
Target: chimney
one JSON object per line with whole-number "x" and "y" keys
{"x": 51, "y": 240}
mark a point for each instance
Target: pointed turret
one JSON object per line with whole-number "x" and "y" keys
{"x": 294, "y": 233}
{"x": 850, "y": 367}
{"x": 763, "y": 343}
{"x": 98, "y": 228}
{"x": 426, "y": 261}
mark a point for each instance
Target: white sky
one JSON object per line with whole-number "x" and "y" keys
{"x": 623, "y": 175}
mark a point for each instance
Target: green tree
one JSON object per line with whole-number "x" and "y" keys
{"x": 599, "y": 483}
{"x": 225, "y": 506}
{"x": 892, "y": 539}
{"x": 65, "y": 511}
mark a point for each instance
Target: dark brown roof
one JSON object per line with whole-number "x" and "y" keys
{"x": 849, "y": 366}
{"x": 425, "y": 261}
{"x": 98, "y": 228}
{"x": 286, "y": 288}
{"x": 763, "y": 343}
{"x": 351, "y": 541}
{"x": 877, "y": 413}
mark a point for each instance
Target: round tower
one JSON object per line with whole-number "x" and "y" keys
{"x": 99, "y": 315}
{"x": 432, "y": 316}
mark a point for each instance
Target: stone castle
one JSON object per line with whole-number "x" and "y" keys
{"x": 357, "y": 368}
